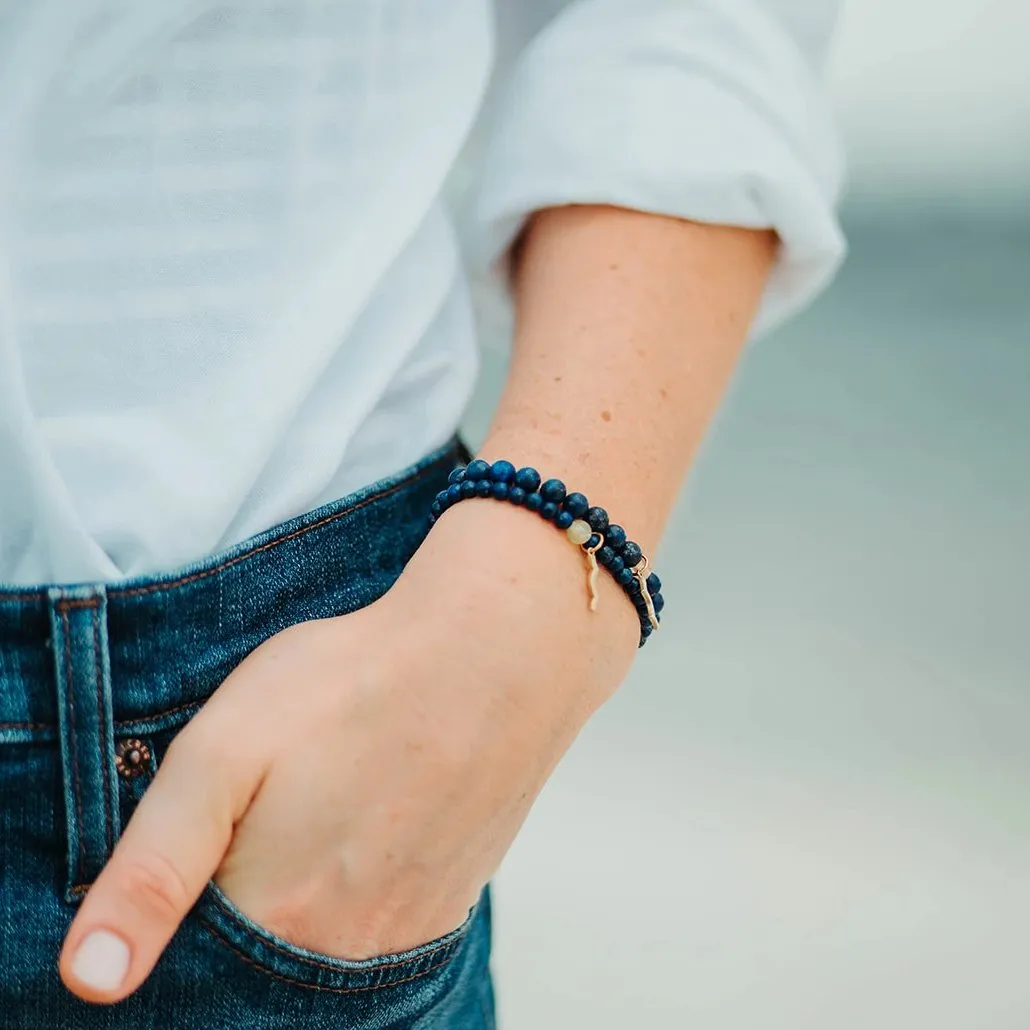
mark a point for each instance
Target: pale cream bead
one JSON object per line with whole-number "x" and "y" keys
{"x": 579, "y": 532}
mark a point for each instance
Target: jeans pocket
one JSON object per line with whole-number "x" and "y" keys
{"x": 279, "y": 959}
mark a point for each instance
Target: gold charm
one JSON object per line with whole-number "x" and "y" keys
{"x": 642, "y": 570}
{"x": 591, "y": 553}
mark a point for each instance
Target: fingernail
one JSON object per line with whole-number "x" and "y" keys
{"x": 101, "y": 961}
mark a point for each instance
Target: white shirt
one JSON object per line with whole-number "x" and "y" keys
{"x": 230, "y": 289}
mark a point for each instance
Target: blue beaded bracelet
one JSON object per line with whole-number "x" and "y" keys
{"x": 604, "y": 544}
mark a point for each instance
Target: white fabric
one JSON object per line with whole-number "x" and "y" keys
{"x": 229, "y": 286}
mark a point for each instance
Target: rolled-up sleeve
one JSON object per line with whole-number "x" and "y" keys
{"x": 709, "y": 110}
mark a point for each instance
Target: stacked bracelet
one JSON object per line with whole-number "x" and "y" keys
{"x": 604, "y": 545}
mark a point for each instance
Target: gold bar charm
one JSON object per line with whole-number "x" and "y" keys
{"x": 642, "y": 570}
{"x": 591, "y": 554}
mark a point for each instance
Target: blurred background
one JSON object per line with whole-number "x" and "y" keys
{"x": 808, "y": 806}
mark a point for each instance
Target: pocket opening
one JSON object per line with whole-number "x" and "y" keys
{"x": 281, "y": 959}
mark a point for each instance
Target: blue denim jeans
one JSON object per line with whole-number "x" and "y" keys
{"x": 86, "y": 669}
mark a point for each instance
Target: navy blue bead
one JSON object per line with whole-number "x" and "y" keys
{"x": 606, "y": 556}
{"x": 442, "y": 499}
{"x": 528, "y": 479}
{"x": 477, "y": 469}
{"x": 624, "y": 578}
{"x": 484, "y": 488}
{"x": 631, "y": 553}
{"x": 467, "y": 488}
{"x": 654, "y": 584}
{"x": 658, "y": 601}
{"x": 502, "y": 472}
{"x": 597, "y": 519}
{"x": 534, "y": 501}
{"x": 548, "y": 510}
{"x": 576, "y": 505}
{"x": 563, "y": 520}
{"x": 453, "y": 493}
{"x": 553, "y": 490}
{"x": 516, "y": 495}
{"x": 594, "y": 541}
{"x": 432, "y": 521}
{"x": 646, "y": 629}
{"x": 634, "y": 588}
{"x": 436, "y": 508}
{"x": 456, "y": 476}
{"x": 616, "y": 565}
{"x": 500, "y": 491}
{"x": 615, "y": 537}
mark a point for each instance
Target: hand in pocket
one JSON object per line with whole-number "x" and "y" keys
{"x": 356, "y": 781}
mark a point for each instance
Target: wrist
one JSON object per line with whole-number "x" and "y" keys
{"x": 604, "y": 543}
{"x": 499, "y": 577}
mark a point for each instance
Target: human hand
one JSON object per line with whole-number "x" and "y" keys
{"x": 380, "y": 763}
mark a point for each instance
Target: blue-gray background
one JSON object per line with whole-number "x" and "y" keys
{"x": 808, "y": 807}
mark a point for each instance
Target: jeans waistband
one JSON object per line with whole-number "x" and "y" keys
{"x": 169, "y": 640}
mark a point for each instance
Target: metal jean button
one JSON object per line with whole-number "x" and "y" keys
{"x": 131, "y": 759}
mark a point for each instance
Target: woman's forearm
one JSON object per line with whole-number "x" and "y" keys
{"x": 628, "y": 326}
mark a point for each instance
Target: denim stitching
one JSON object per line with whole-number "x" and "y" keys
{"x": 158, "y": 715}
{"x": 78, "y": 602}
{"x": 327, "y": 965}
{"x": 74, "y": 739}
{"x": 314, "y": 987}
{"x": 107, "y": 746}
{"x": 74, "y": 603}
{"x": 236, "y": 559}
{"x": 463, "y": 454}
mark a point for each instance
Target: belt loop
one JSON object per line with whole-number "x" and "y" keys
{"x": 82, "y": 670}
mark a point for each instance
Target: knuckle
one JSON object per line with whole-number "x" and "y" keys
{"x": 153, "y": 883}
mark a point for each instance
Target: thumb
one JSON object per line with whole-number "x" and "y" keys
{"x": 173, "y": 844}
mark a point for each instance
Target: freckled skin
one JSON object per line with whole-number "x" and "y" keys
{"x": 622, "y": 306}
